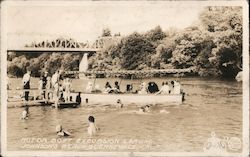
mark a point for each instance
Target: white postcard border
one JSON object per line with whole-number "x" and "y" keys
{"x": 245, "y": 135}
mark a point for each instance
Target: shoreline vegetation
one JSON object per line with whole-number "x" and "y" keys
{"x": 212, "y": 46}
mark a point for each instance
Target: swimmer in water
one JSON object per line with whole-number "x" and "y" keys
{"x": 92, "y": 129}
{"x": 61, "y": 132}
{"x": 164, "y": 111}
{"x": 27, "y": 109}
{"x": 119, "y": 104}
{"x": 147, "y": 108}
{"x": 142, "y": 109}
{"x": 24, "y": 115}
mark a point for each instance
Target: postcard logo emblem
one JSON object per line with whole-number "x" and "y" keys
{"x": 218, "y": 145}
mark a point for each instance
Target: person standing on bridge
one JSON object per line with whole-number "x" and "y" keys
{"x": 26, "y": 84}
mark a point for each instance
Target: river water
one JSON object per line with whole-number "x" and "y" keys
{"x": 210, "y": 105}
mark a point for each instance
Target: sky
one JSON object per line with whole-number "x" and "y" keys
{"x": 85, "y": 21}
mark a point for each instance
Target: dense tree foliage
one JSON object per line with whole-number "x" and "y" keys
{"x": 212, "y": 46}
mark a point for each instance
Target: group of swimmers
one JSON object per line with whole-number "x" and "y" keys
{"x": 92, "y": 128}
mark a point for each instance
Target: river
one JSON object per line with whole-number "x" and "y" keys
{"x": 210, "y": 105}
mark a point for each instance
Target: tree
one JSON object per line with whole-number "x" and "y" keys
{"x": 136, "y": 50}
{"x": 225, "y": 27}
{"x": 189, "y": 44}
{"x": 155, "y": 34}
{"x": 106, "y": 32}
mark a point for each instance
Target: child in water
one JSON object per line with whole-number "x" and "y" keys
{"x": 24, "y": 115}
{"x": 92, "y": 129}
{"x": 144, "y": 109}
{"x": 119, "y": 103}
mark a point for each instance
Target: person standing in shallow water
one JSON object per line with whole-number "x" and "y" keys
{"x": 78, "y": 98}
{"x": 44, "y": 79}
{"x": 67, "y": 89}
{"x": 26, "y": 84}
{"x": 117, "y": 87}
{"x": 92, "y": 129}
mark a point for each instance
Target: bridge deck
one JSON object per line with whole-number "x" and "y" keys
{"x": 157, "y": 71}
{"x": 53, "y": 50}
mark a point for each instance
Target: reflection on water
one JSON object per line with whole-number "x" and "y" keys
{"x": 210, "y": 105}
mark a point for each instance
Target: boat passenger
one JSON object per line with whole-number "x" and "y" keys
{"x": 177, "y": 87}
{"x": 78, "y": 98}
{"x": 129, "y": 88}
{"x": 89, "y": 87}
{"x": 96, "y": 89}
{"x": 108, "y": 88}
{"x": 164, "y": 89}
{"x": 117, "y": 87}
{"x": 143, "y": 88}
{"x": 92, "y": 129}
{"x": 26, "y": 84}
{"x": 61, "y": 132}
{"x": 67, "y": 89}
{"x": 152, "y": 87}
{"x": 172, "y": 87}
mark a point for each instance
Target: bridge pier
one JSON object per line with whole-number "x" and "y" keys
{"x": 83, "y": 66}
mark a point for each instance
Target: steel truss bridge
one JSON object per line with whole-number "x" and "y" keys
{"x": 65, "y": 45}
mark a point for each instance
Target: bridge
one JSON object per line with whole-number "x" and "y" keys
{"x": 65, "y": 45}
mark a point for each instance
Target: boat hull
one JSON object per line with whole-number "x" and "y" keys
{"x": 66, "y": 105}
{"x": 130, "y": 98}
